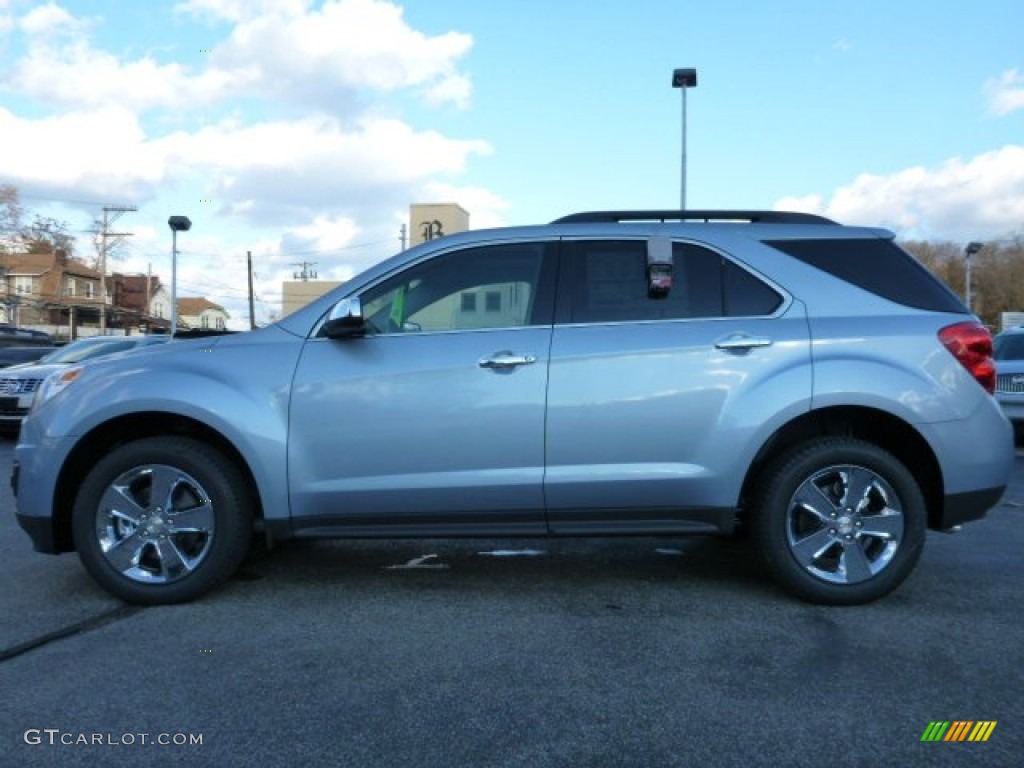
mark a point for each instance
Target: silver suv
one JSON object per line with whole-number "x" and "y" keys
{"x": 656, "y": 373}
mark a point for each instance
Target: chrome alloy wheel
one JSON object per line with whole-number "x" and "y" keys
{"x": 844, "y": 524}
{"x": 155, "y": 524}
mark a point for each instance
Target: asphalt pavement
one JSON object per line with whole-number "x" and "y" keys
{"x": 628, "y": 652}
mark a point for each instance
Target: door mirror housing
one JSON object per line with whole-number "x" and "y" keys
{"x": 346, "y": 320}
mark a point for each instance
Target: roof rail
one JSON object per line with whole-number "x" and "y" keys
{"x": 753, "y": 217}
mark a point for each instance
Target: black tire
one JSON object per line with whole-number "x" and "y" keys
{"x": 138, "y": 552}
{"x": 826, "y": 544}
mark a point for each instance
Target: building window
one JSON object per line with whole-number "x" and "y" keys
{"x": 90, "y": 290}
{"x": 469, "y": 302}
{"x": 70, "y": 286}
{"x": 220, "y": 323}
{"x": 492, "y": 301}
{"x": 158, "y": 309}
{"x": 24, "y": 284}
{"x": 205, "y": 321}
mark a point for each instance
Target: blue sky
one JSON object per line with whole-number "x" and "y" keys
{"x": 312, "y": 124}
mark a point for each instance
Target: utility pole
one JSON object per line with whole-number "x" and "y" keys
{"x": 306, "y": 272}
{"x": 252, "y": 311}
{"x": 402, "y": 236}
{"x": 149, "y": 297}
{"x": 111, "y": 213}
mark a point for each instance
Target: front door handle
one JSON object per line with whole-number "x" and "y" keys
{"x": 740, "y": 342}
{"x": 504, "y": 360}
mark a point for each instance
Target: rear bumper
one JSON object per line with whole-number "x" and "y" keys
{"x": 958, "y": 508}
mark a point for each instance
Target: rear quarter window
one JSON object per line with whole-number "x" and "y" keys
{"x": 876, "y": 265}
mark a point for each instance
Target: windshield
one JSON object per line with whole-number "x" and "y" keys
{"x": 1009, "y": 346}
{"x": 76, "y": 352}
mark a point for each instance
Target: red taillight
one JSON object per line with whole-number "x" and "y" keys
{"x": 971, "y": 344}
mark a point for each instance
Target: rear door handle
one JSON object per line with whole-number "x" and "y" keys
{"x": 740, "y": 342}
{"x": 501, "y": 360}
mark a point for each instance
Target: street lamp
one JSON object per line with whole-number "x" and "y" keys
{"x": 969, "y": 250}
{"x": 177, "y": 224}
{"x": 683, "y": 79}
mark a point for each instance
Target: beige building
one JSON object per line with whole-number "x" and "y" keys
{"x": 429, "y": 221}
{"x": 296, "y": 294}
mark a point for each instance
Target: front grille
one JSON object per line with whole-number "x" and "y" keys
{"x": 1010, "y": 382}
{"x": 18, "y": 386}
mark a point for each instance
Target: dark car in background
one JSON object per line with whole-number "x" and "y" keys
{"x": 20, "y": 355}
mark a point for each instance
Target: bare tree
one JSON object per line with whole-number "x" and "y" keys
{"x": 43, "y": 234}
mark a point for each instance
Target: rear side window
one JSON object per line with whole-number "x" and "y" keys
{"x": 876, "y": 265}
{"x": 610, "y": 280}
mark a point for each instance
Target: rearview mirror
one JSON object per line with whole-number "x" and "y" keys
{"x": 346, "y": 320}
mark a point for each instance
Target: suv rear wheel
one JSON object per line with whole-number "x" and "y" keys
{"x": 839, "y": 521}
{"x": 162, "y": 520}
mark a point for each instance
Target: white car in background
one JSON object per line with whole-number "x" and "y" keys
{"x": 18, "y": 383}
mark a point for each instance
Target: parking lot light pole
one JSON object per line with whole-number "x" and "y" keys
{"x": 969, "y": 250}
{"x": 177, "y": 224}
{"x": 683, "y": 79}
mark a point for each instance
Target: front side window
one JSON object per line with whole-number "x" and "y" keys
{"x": 611, "y": 285}
{"x": 453, "y": 292}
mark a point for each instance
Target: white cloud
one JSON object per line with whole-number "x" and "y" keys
{"x": 346, "y": 44}
{"x": 240, "y": 10}
{"x": 1005, "y": 93}
{"x": 318, "y": 58}
{"x": 49, "y": 19}
{"x": 272, "y": 171}
{"x": 77, "y": 75}
{"x": 982, "y": 197}
{"x": 266, "y": 174}
{"x": 100, "y": 152}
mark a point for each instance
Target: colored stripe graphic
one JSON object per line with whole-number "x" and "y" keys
{"x": 982, "y": 730}
{"x": 935, "y": 730}
{"x": 958, "y": 731}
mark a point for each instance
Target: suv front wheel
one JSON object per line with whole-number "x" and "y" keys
{"x": 162, "y": 520}
{"x": 839, "y": 521}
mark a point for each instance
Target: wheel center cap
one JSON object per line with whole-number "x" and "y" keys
{"x": 845, "y": 525}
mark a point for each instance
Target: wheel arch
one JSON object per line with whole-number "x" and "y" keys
{"x": 883, "y": 429}
{"x": 124, "y": 429}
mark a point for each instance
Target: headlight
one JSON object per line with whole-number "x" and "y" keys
{"x": 55, "y": 383}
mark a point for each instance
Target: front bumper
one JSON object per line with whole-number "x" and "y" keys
{"x": 34, "y": 475}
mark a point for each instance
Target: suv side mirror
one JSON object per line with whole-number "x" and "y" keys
{"x": 346, "y": 320}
